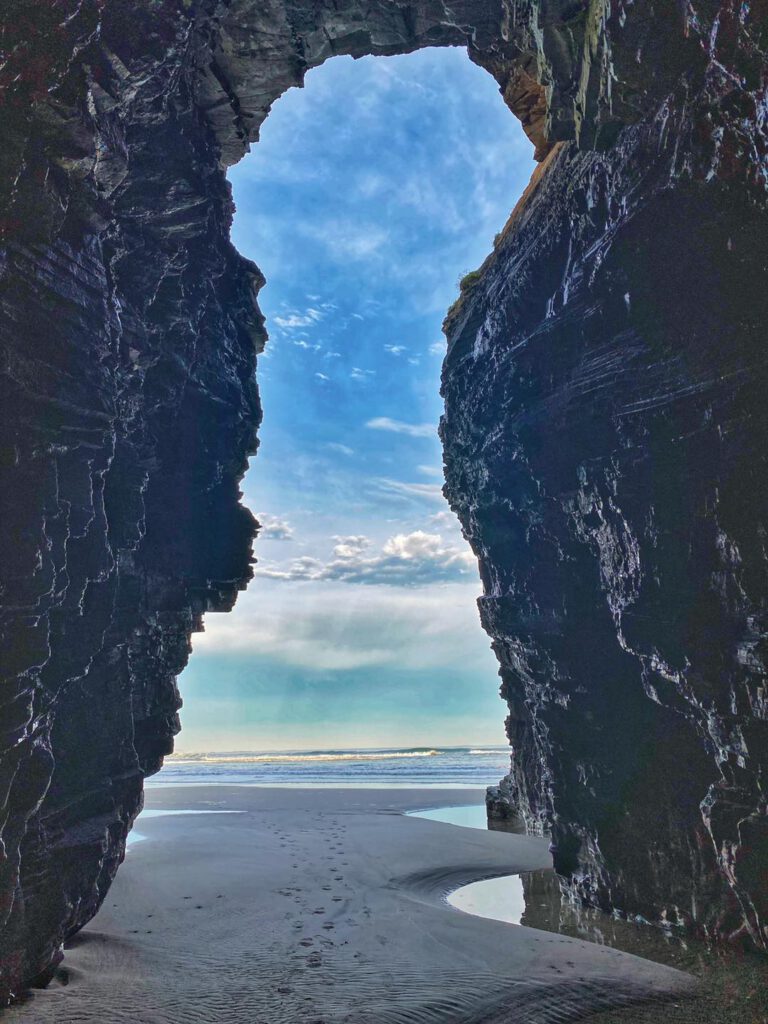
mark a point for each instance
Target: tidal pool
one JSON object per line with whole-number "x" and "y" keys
{"x": 499, "y": 899}
{"x": 135, "y": 837}
{"x": 466, "y": 815}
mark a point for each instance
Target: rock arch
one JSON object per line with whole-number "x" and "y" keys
{"x": 604, "y": 432}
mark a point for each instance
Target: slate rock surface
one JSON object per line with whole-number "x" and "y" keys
{"x": 605, "y": 429}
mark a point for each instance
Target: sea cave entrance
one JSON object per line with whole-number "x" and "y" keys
{"x": 372, "y": 192}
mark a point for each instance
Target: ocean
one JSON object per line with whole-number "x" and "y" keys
{"x": 439, "y": 767}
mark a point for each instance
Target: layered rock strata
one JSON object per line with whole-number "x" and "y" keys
{"x": 604, "y": 431}
{"x": 605, "y": 442}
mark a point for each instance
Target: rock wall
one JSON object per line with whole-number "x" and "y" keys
{"x": 605, "y": 440}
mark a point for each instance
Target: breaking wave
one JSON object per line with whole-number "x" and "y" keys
{"x": 391, "y": 766}
{"x": 279, "y": 758}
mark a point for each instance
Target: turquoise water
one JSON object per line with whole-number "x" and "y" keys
{"x": 444, "y": 767}
{"x": 467, "y": 815}
{"x": 498, "y": 899}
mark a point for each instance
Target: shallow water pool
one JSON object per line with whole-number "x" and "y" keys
{"x": 466, "y": 815}
{"x": 499, "y": 899}
{"x": 138, "y": 837}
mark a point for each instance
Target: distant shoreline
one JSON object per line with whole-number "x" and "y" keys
{"x": 391, "y": 767}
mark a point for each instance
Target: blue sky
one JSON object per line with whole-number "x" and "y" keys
{"x": 371, "y": 192}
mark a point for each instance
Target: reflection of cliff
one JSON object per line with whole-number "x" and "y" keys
{"x": 547, "y": 910}
{"x": 732, "y": 981}
{"x": 605, "y": 430}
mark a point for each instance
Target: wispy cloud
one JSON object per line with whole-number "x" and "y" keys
{"x": 344, "y": 240}
{"x": 351, "y": 626}
{"x": 341, "y": 449}
{"x": 360, "y": 374}
{"x": 433, "y": 492}
{"x": 395, "y": 350}
{"x": 399, "y": 427}
{"x": 445, "y": 519}
{"x": 293, "y": 320}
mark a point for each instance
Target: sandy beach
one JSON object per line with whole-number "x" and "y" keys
{"x": 323, "y": 906}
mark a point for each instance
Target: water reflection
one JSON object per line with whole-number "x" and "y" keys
{"x": 135, "y": 837}
{"x": 500, "y": 899}
{"x": 734, "y": 980}
{"x": 534, "y": 899}
{"x": 467, "y": 816}
{"x": 548, "y": 909}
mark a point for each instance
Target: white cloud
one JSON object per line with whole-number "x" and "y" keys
{"x": 438, "y": 348}
{"x": 405, "y": 560}
{"x": 395, "y": 350}
{"x": 273, "y": 528}
{"x": 444, "y": 519}
{"x": 347, "y": 239}
{"x": 340, "y": 626}
{"x": 332, "y": 355}
{"x": 431, "y": 471}
{"x": 293, "y": 320}
{"x": 342, "y": 449}
{"x": 350, "y": 546}
{"x": 322, "y": 377}
{"x": 358, "y": 374}
{"x": 433, "y": 492}
{"x": 399, "y": 427}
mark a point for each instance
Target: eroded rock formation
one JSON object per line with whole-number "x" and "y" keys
{"x": 605, "y": 429}
{"x": 605, "y": 442}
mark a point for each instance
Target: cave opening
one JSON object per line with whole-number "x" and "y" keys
{"x": 371, "y": 193}
{"x": 605, "y": 448}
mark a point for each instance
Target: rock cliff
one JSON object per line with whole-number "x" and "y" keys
{"x": 605, "y": 429}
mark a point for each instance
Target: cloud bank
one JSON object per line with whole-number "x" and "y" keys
{"x": 338, "y": 626}
{"x": 405, "y": 560}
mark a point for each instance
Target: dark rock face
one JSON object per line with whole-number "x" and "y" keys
{"x": 605, "y": 430}
{"x": 605, "y": 435}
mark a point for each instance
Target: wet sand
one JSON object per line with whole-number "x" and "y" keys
{"x": 325, "y": 906}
